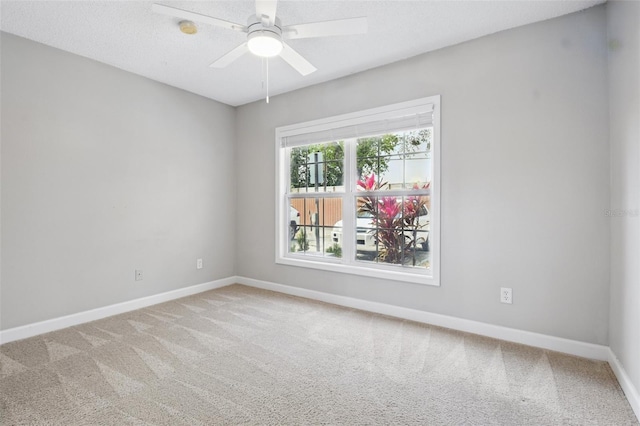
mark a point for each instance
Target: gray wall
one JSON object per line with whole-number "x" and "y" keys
{"x": 525, "y": 177}
{"x": 104, "y": 172}
{"x": 624, "y": 105}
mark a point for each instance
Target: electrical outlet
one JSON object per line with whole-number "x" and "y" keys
{"x": 199, "y": 264}
{"x": 138, "y": 275}
{"x": 506, "y": 295}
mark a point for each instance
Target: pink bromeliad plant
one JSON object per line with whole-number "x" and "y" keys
{"x": 395, "y": 222}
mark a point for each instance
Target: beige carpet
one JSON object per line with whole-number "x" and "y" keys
{"x": 238, "y": 355}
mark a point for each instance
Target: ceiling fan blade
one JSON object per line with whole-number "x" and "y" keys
{"x": 266, "y": 11}
{"x": 197, "y": 17}
{"x": 294, "y": 59}
{"x": 326, "y": 28}
{"x": 229, "y": 57}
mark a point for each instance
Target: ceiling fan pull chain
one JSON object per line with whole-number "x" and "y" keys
{"x": 262, "y": 72}
{"x": 264, "y": 62}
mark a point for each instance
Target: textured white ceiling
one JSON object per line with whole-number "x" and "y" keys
{"x": 128, "y": 35}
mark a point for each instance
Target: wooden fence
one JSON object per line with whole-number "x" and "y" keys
{"x": 330, "y": 210}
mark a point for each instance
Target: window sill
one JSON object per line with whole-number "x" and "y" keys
{"x": 365, "y": 271}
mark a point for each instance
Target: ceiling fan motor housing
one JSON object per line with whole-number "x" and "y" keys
{"x": 263, "y": 40}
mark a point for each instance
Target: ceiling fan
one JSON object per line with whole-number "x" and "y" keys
{"x": 266, "y": 34}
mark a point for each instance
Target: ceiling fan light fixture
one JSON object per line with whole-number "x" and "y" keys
{"x": 265, "y": 44}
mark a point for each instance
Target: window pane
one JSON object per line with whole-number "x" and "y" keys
{"x": 392, "y": 172}
{"x": 393, "y": 230}
{"x": 417, "y": 170}
{"x": 394, "y": 161}
{"x": 416, "y": 141}
{"x": 298, "y": 169}
{"x": 317, "y": 168}
{"x": 320, "y": 229}
{"x": 372, "y": 159}
{"x": 416, "y": 149}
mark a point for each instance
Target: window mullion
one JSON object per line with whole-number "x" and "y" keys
{"x": 348, "y": 203}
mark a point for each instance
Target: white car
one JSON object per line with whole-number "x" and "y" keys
{"x": 365, "y": 232}
{"x": 294, "y": 222}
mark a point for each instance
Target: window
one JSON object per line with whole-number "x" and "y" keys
{"x": 359, "y": 193}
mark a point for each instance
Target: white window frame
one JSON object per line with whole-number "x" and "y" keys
{"x": 348, "y": 264}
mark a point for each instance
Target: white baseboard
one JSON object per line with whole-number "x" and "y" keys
{"x": 41, "y": 327}
{"x": 573, "y": 347}
{"x": 630, "y": 391}
{"x": 558, "y": 344}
